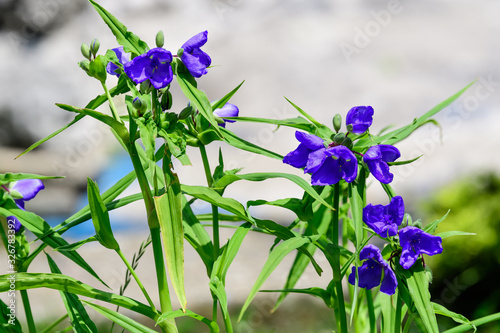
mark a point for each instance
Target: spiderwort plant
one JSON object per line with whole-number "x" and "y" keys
{"x": 155, "y": 130}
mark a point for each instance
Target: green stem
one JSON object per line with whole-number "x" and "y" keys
{"x": 215, "y": 212}
{"x": 342, "y": 317}
{"x": 27, "y": 311}
{"x": 371, "y": 311}
{"x": 139, "y": 283}
{"x": 111, "y": 103}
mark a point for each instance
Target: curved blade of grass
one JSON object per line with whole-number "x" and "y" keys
{"x": 275, "y": 257}
{"x": 116, "y": 317}
{"x": 221, "y": 102}
{"x": 25, "y": 281}
{"x": 441, "y": 310}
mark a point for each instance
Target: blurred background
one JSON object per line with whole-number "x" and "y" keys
{"x": 401, "y": 57}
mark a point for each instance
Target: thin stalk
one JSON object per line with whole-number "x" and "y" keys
{"x": 27, "y": 311}
{"x": 139, "y": 283}
{"x": 111, "y": 103}
{"x": 215, "y": 213}
{"x": 342, "y": 317}
{"x": 215, "y": 221}
{"x": 371, "y": 311}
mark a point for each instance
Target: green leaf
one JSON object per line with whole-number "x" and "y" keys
{"x": 198, "y": 98}
{"x": 25, "y": 281}
{"x": 305, "y": 114}
{"x": 298, "y": 122}
{"x": 79, "y": 317}
{"x": 237, "y": 142}
{"x": 454, "y": 233}
{"x": 221, "y": 102}
{"x": 97, "y": 68}
{"x": 77, "y": 245}
{"x": 214, "y": 328}
{"x": 197, "y": 236}
{"x": 9, "y": 321}
{"x": 100, "y": 217}
{"x": 418, "y": 287}
{"x": 9, "y": 177}
{"x": 260, "y": 176}
{"x": 441, "y": 310}
{"x": 168, "y": 207}
{"x": 431, "y": 227}
{"x": 399, "y": 134}
{"x": 122, "y": 320}
{"x": 476, "y": 322}
{"x": 293, "y": 204}
{"x": 93, "y": 104}
{"x": 130, "y": 42}
{"x": 275, "y": 257}
{"x": 217, "y": 288}
{"x": 230, "y": 251}
{"x": 118, "y": 127}
{"x": 39, "y": 227}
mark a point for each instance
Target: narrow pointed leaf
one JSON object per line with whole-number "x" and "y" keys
{"x": 130, "y": 42}
{"x": 9, "y": 177}
{"x": 238, "y": 142}
{"x": 214, "y": 328}
{"x": 127, "y": 323}
{"x": 79, "y": 317}
{"x": 168, "y": 208}
{"x": 275, "y": 258}
{"x": 221, "y": 102}
{"x": 25, "y": 281}
{"x": 298, "y": 122}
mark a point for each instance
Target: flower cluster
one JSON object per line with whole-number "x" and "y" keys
{"x": 384, "y": 221}
{"x": 21, "y": 191}
{"x": 330, "y": 161}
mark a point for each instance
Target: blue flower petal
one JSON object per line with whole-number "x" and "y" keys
{"x": 195, "y": 60}
{"x": 195, "y": 42}
{"x": 360, "y": 117}
{"x": 389, "y": 282}
{"x": 298, "y": 157}
{"x": 414, "y": 242}
{"x": 28, "y": 188}
{"x": 228, "y": 110}
{"x": 311, "y": 141}
{"x": 15, "y": 221}
{"x": 328, "y": 173}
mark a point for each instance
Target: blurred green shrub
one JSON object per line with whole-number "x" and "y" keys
{"x": 467, "y": 274}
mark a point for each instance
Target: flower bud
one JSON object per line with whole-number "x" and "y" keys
{"x": 137, "y": 103}
{"x": 166, "y": 100}
{"x": 186, "y": 112}
{"x": 85, "y": 65}
{"x": 146, "y": 87}
{"x": 85, "y": 49}
{"x": 418, "y": 224}
{"x": 180, "y": 52}
{"x": 350, "y": 128}
{"x": 339, "y": 138}
{"x": 348, "y": 142}
{"x": 159, "y": 39}
{"x": 94, "y": 46}
{"x": 337, "y": 122}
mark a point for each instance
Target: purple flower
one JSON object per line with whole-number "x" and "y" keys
{"x": 360, "y": 118}
{"x": 376, "y": 159}
{"x": 153, "y": 66}
{"x": 23, "y": 190}
{"x": 195, "y": 60}
{"x": 13, "y": 220}
{"x": 123, "y": 58}
{"x": 228, "y": 110}
{"x": 327, "y": 165}
{"x": 385, "y": 220}
{"x": 415, "y": 242}
{"x": 308, "y": 144}
{"x": 370, "y": 272}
